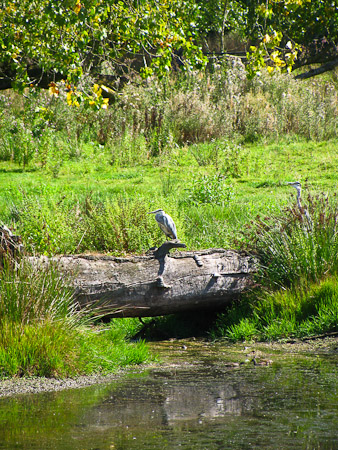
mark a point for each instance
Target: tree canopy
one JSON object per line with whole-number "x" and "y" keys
{"x": 45, "y": 41}
{"x": 307, "y": 27}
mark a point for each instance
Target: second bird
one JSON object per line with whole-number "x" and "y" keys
{"x": 166, "y": 223}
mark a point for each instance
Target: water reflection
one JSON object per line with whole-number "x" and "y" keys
{"x": 201, "y": 406}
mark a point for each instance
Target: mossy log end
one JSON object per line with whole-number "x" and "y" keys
{"x": 159, "y": 284}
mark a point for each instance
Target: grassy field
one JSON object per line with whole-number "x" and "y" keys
{"x": 208, "y": 206}
{"x": 215, "y": 152}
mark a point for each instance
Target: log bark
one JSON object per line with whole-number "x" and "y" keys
{"x": 159, "y": 284}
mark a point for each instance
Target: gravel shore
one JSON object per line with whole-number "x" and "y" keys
{"x": 18, "y": 386}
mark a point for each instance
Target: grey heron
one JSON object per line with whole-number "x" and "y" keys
{"x": 165, "y": 222}
{"x": 298, "y": 187}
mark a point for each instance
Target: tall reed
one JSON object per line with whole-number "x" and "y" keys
{"x": 43, "y": 332}
{"x": 29, "y": 294}
{"x": 298, "y": 270}
{"x": 292, "y": 248}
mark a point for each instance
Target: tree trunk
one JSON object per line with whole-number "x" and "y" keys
{"x": 159, "y": 284}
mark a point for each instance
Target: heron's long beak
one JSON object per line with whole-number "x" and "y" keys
{"x": 152, "y": 212}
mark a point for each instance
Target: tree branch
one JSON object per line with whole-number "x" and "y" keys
{"x": 319, "y": 70}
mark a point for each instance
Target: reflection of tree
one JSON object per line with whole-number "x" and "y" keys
{"x": 183, "y": 403}
{"x": 157, "y": 404}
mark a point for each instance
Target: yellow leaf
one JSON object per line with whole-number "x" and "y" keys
{"x": 105, "y": 103}
{"x": 77, "y": 7}
{"x": 69, "y": 98}
{"x": 53, "y": 89}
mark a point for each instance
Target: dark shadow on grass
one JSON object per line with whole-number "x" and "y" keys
{"x": 177, "y": 326}
{"x": 19, "y": 170}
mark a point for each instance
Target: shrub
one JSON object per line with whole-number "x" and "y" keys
{"x": 193, "y": 117}
{"x": 45, "y": 224}
{"x": 53, "y": 225}
{"x": 119, "y": 226}
{"x": 213, "y": 189}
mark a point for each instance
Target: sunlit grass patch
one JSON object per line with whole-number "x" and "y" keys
{"x": 40, "y": 348}
{"x": 43, "y": 332}
{"x": 105, "y": 350}
{"x": 291, "y": 313}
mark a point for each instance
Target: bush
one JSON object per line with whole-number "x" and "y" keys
{"x": 118, "y": 226}
{"x": 212, "y": 189}
{"x": 53, "y": 225}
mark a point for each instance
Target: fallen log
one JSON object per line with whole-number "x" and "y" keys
{"x": 159, "y": 283}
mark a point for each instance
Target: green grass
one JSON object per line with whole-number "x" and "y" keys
{"x": 292, "y": 313}
{"x": 51, "y": 349}
{"x": 207, "y": 136}
{"x": 298, "y": 270}
{"x": 44, "y": 333}
{"x": 33, "y": 198}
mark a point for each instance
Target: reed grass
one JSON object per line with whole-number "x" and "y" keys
{"x": 298, "y": 245}
{"x": 43, "y": 332}
{"x": 297, "y": 313}
{"x": 298, "y": 276}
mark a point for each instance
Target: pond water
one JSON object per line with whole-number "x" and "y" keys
{"x": 196, "y": 398}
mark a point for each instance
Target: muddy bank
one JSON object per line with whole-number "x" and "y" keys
{"x": 174, "y": 354}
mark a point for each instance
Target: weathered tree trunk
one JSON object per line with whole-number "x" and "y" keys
{"x": 160, "y": 284}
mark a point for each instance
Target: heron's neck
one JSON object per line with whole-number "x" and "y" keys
{"x": 298, "y": 198}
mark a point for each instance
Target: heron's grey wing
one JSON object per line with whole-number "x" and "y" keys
{"x": 162, "y": 223}
{"x": 167, "y": 225}
{"x": 170, "y": 225}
